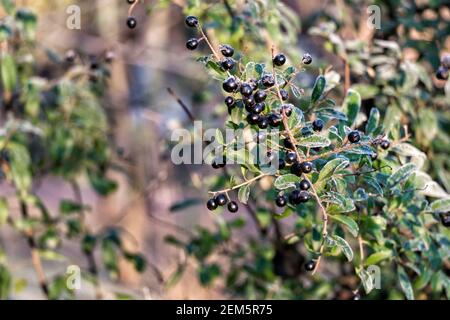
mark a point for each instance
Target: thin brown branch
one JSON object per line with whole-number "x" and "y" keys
{"x": 182, "y": 104}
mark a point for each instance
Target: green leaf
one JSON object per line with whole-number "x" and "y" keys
{"x": 377, "y": 257}
{"x": 345, "y": 247}
{"x": 244, "y": 193}
{"x": 219, "y": 137}
{"x": 351, "y": 224}
{"x": 319, "y": 87}
{"x": 332, "y": 166}
{"x": 8, "y": 73}
{"x": 405, "y": 283}
{"x": 286, "y": 181}
{"x": 441, "y": 205}
{"x": 181, "y": 205}
{"x": 366, "y": 91}
{"x": 400, "y": 175}
{"x": 366, "y": 280}
{"x": 4, "y": 210}
{"x": 9, "y": 6}
{"x": 373, "y": 121}
{"x": 352, "y": 104}
{"x": 338, "y": 202}
{"x": 296, "y": 117}
{"x": 314, "y": 141}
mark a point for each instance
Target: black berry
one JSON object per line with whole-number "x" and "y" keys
{"x": 294, "y": 197}
{"x": 304, "y": 185}
{"x": 259, "y": 107}
{"x": 246, "y": 90}
{"x": 385, "y": 144}
{"x": 284, "y": 94}
{"x": 290, "y": 157}
{"x": 306, "y": 59}
{"x": 253, "y": 84}
{"x": 268, "y": 80}
{"x": 230, "y": 84}
{"x": 211, "y": 204}
{"x": 260, "y": 96}
{"x": 445, "y": 61}
{"x": 263, "y": 123}
{"x": 221, "y": 199}
{"x": 192, "y": 44}
{"x": 227, "y": 63}
{"x": 253, "y": 118}
{"x": 354, "y": 136}
{"x": 296, "y": 169}
{"x": 445, "y": 219}
{"x": 287, "y": 110}
{"x": 191, "y": 21}
{"x": 310, "y": 265}
{"x": 230, "y": 102}
{"x": 306, "y": 167}
{"x": 131, "y": 22}
{"x": 233, "y": 206}
{"x": 131, "y": 1}
{"x": 281, "y": 164}
{"x": 288, "y": 144}
{"x": 281, "y": 201}
{"x": 279, "y": 59}
{"x": 274, "y": 120}
{"x": 226, "y": 50}
{"x": 249, "y": 101}
{"x": 442, "y": 73}
{"x": 317, "y": 125}
{"x": 374, "y": 156}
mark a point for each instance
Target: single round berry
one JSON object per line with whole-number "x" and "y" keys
{"x": 221, "y": 199}
{"x": 287, "y": 110}
{"x": 246, "y": 90}
{"x": 260, "y": 96}
{"x": 268, "y": 80}
{"x": 385, "y": 144}
{"x": 304, "y": 196}
{"x": 226, "y": 50}
{"x": 191, "y": 21}
{"x": 306, "y": 167}
{"x": 259, "y": 107}
{"x": 250, "y": 108}
{"x": 274, "y": 120}
{"x": 442, "y": 73}
{"x": 227, "y": 63}
{"x": 445, "y": 219}
{"x": 131, "y": 22}
{"x": 249, "y": 101}
{"x": 284, "y": 94}
{"x": 290, "y": 157}
{"x": 281, "y": 164}
{"x": 233, "y": 206}
{"x": 281, "y": 201}
{"x": 374, "y": 156}
{"x": 263, "y": 123}
{"x": 445, "y": 61}
{"x": 211, "y": 204}
{"x": 296, "y": 169}
{"x": 310, "y": 265}
{"x": 230, "y": 102}
{"x": 192, "y": 44}
{"x": 304, "y": 185}
{"x": 306, "y": 59}
{"x": 253, "y": 84}
{"x": 131, "y": 1}
{"x": 279, "y": 59}
{"x": 354, "y": 136}
{"x": 230, "y": 84}
{"x": 288, "y": 144}
{"x": 318, "y": 125}
{"x": 294, "y": 197}
{"x": 253, "y": 118}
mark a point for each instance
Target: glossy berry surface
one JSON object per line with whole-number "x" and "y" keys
{"x": 268, "y": 80}
{"x": 445, "y": 61}
{"x": 306, "y": 59}
{"x": 281, "y": 201}
{"x": 290, "y": 157}
{"x": 221, "y": 199}
{"x": 131, "y": 22}
{"x": 306, "y": 167}
{"x": 226, "y": 50}
{"x": 227, "y": 63}
{"x": 385, "y": 144}
{"x": 296, "y": 169}
{"x": 298, "y": 196}
{"x": 442, "y": 73}
{"x": 281, "y": 164}
{"x": 318, "y": 125}
{"x": 445, "y": 219}
{"x": 263, "y": 123}
{"x": 253, "y": 118}
{"x": 211, "y": 204}
{"x": 260, "y": 96}
{"x": 279, "y": 59}
{"x": 230, "y": 84}
{"x": 288, "y": 144}
{"x": 287, "y": 109}
{"x": 233, "y": 206}
{"x": 310, "y": 265}
{"x": 246, "y": 90}
{"x": 274, "y": 120}
{"x": 230, "y": 102}
{"x": 259, "y": 107}
{"x": 191, "y": 21}
{"x": 304, "y": 185}
{"x": 374, "y": 156}
{"x": 192, "y": 44}
{"x": 354, "y": 136}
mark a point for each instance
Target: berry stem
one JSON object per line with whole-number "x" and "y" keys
{"x": 205, "y": 37}
{"x": 239, "y": 185}
{"x": 130, "y": 10}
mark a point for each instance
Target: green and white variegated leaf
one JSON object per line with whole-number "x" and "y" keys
{"x": 407, "y": 150}
{"x": 378, "y": 257}
{"x": 244, "y": 193}
{"x": 352, "y": 104}
{"x": 441, "y": 205}
{"x": 338, "y": 202}
{"x": 345, "y": 247}
{"x": 374, "y": 185}
{"x": 332, "y": 79}
{"x": 401, "y": 174}
{"x": 328, "y": 170}
{"x": 428, "y": 187}
{"x": 296, "y": 117}
{"x": 318, "y": 89}
{"x": 314, "y": 141}
{"x": 405, "y": 283}
{"x": 286, "y": 181}
{"x": 366, "y": 279}
{"x": 373, "y": 121}
{"x": 348, "y": 222}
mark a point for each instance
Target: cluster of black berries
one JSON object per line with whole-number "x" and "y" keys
{"x": 131, "y": 21}
{"x": 221, "y": 200}
{"x": 192, "y": 43}
{"x": 443, "y": 70}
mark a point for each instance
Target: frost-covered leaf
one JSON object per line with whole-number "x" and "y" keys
{"x": 366, "y": 279}
{"x": 405, "y": 283}
{"x": 442, "y": 205}
{"x": 314, "y": 141}
{"x": 407, "y": 150}
{"x": 286, "y": 181}
{"x": 373, "y": 121}
{"x": 351, "y": 224}
{"x": 400, "y": 175}
{"x": 351, "y": 106}
{"x": 244, "y": 193}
